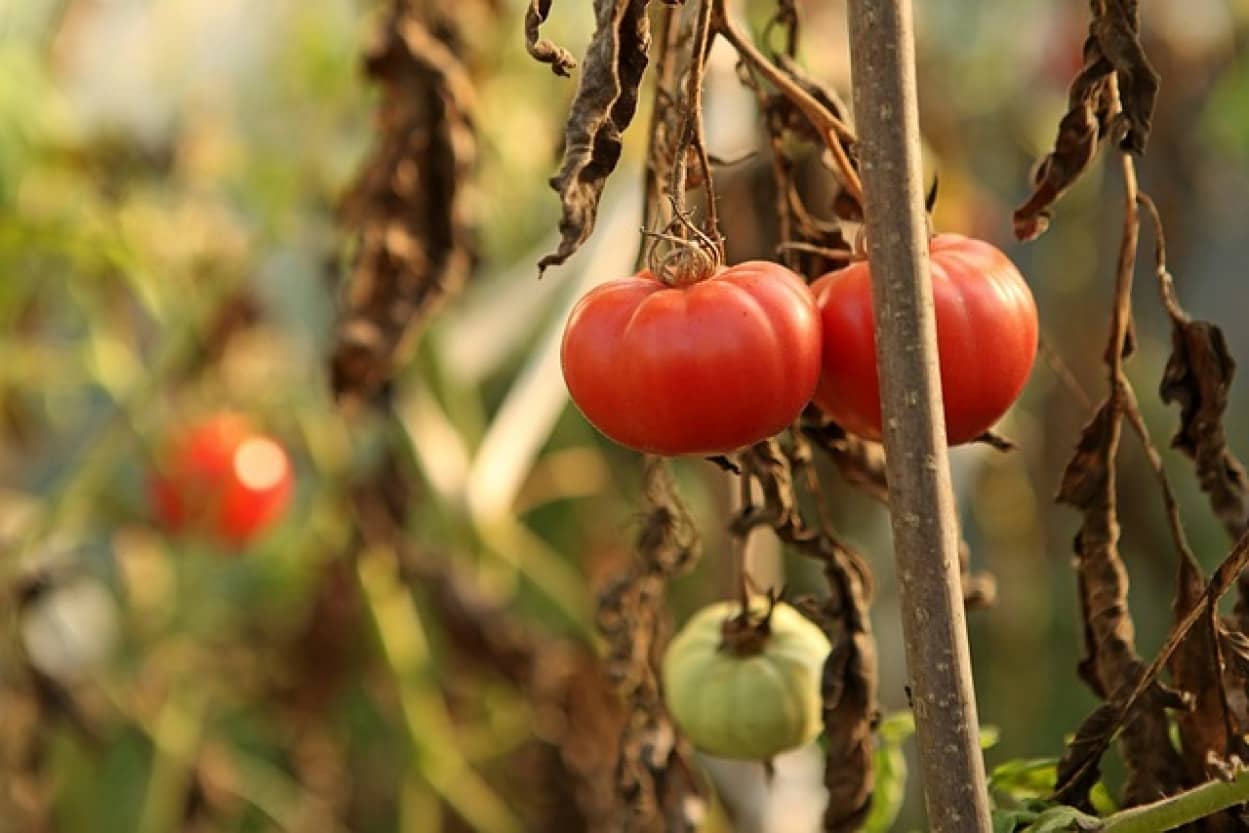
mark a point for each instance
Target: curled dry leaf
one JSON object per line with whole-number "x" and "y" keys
{"x": 1078, "y": 769}
{"x": 1196, "y": 667}
{"x": 1116, "y": 81}
{"x": 655, "y": 789}
{"x": 408, "y": 205}
{"x": 544, "y": 51}
{"x": 1111, "y": 664}
{"x": 605, "y": 104}
{"x": 1198, "y": 376}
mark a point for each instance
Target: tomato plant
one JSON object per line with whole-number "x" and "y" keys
{"x": 222, "y": 478}
{"x": 696, "y": 368}
{"x": 986, "y": 339}
{"x": 747, "y": 693}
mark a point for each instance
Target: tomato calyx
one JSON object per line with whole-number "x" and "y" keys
{"x": 691, "y": 255}
{"x": 747, "y": 633}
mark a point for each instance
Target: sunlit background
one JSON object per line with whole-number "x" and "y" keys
{"x": 169, "y": 178}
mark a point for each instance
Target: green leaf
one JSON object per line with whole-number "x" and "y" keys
{"x": 890, "y": 791}
{"x": 896, "y": 728}
{"x": 1008, "y": 821}
{"x": 1024, "y": 778}
{"x": 1063, "y": 819}
{"x": 889, "y": 763}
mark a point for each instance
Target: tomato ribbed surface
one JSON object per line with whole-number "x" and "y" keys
{"x": 697, "y": 369}
{"x": 986, "y": 339}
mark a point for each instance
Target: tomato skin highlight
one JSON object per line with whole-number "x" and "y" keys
{"x": 986, "y": 339}
{"x": 222, "y": 479}
{"x": 698, "y": 369}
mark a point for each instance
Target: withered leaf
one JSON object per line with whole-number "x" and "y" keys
{"x": 1117, "y": 32}
{"x": 1198, "y": 376}
{"x": 1097, "y": 731}
{"x": 1116, "y": 76}
{"x": 1197, "y": 669}
{"x": 408, "y": 206}
{"x": 1111, "y": 666}
{"x": 605, "y": 104}
{"x": 654, "y": 785}
{"x": 1079, "y": 132}
{"x": 544, "y": 51}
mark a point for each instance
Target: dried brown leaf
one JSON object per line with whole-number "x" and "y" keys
{"x": 544, "y": 51}
{"x": 1196, "y": 668}
{"x": 605, "y": 104}
{"x": 1116, "y": 81}
{"x": 408, "y": 205}
{"x": 1198, "y": 376}
{"x": 1111, "y": 665}
{"x": 1097, "y": 731}
{"x": 654, "y": 786}
{"x": 1116, "y": 30}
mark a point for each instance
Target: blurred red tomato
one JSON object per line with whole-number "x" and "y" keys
{"x": 222, "y": 478}
{"x": 694, "y": 369}
{"x": 986, "y": 338}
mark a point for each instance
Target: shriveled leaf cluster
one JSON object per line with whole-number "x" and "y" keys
{"x": 1138, "y": 706}
{"x": 655, "y": 790}
{"x": 409, "y": 210}
{"x": 408, "y": 207}
{"x": 606, "y": 101}
{"x": 1112, "y": 97}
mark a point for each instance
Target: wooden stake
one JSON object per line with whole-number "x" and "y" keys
{"x": 925, "y": 528}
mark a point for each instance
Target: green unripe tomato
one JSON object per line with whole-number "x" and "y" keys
{"x": 752, "y": 702}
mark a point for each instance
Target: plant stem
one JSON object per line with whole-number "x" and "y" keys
{"x": 925, "y": 528}
{"x": 1181, "y": 809}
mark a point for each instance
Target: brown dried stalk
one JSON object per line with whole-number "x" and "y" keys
{"x": 831, "y": 129}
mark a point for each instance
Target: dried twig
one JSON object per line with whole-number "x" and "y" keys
{"x": 835, "y": 133}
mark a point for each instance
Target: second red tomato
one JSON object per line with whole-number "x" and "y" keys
{"x": 222, "y": 478}
{"x": 699, "y": 369}
{"x": 986, "y": 338}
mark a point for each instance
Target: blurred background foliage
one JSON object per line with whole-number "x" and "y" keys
{"x": 169, "y": 176}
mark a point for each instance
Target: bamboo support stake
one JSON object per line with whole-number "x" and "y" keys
{"x": 925, "y": 533}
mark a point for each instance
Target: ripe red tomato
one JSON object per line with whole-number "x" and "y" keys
{"x": 986, "y": 339}
{"x": 702, "y": 368}
{"x": 222, "y": 478}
